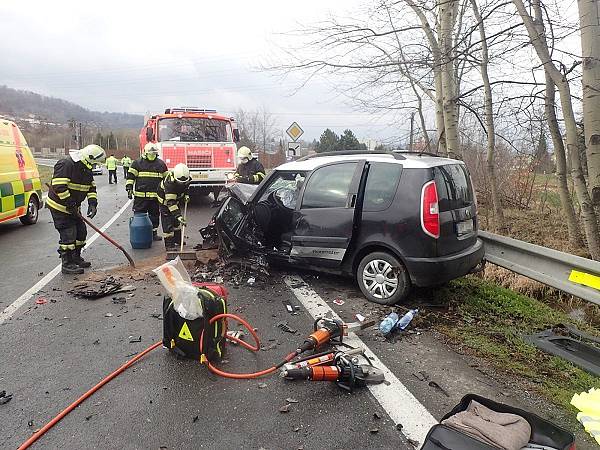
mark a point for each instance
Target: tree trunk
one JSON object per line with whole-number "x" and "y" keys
{"x": 536, "y": 33}
{"x": 589, "y": 18}
{"x": 447, "y": 18}
{"x": 561, "y": 166}
{"x": 437, "y": 76}
{"x": 490, "y": 128}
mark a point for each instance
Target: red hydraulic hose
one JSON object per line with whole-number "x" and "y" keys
{"x": 242, "y": 376}
{"x": 38, "y": 434}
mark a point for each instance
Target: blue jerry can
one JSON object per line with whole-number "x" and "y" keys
{"x": 140, "y": 230}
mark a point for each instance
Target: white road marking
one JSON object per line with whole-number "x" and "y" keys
{"x": 14, "y": 306}
{"x": 402, "y": 407}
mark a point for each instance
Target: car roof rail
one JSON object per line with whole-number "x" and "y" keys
{"x": 396, "y": 155}
{"x": 437, "y": 155}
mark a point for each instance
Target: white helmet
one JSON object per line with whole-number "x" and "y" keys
{"x": 181, "y": 173}
{"x": 92, "y": 154}
{"x": 151, "y": 150}
{"x": 244, "y": 152}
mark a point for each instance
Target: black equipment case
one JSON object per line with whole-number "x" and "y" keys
{"x": 543, "y": 432}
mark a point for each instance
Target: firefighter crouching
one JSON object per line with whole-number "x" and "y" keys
{"x": 250, "y": 170}
{"x": 143, "y": 179}
{"x": 172, "y": 195}
{"x": 72, "y": 182}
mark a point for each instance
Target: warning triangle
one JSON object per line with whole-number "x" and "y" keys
{"x": 185, "y": 333}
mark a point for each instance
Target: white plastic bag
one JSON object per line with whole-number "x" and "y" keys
{"x": 176, "y": 280}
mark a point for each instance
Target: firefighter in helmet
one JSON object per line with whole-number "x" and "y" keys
{"x": 249, "y": 170}
{"x": 143, "y": 179}
{"x": 72, "y": 182}
{"x": 172, "y": 196}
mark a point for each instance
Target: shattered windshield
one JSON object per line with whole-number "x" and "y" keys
{"x": 291, "y": 181}
{"x": 194, "y": 130}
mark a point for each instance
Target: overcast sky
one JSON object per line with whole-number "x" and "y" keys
{"x": 133, "y": 56}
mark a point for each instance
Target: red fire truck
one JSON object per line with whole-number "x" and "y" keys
{"x": 200, "y": 138}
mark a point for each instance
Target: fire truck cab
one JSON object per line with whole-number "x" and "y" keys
{"x": 200, "y": 138}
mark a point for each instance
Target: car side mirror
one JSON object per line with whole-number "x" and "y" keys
{"x": 236, "y": 135}
{"x": 149, "y": 134}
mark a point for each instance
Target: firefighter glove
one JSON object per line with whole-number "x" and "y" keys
{"x": 181, "y": 220}
{"x": 129, "y": 194}
{"x": 243, "y": 179}
{"x": 92, "y": 210}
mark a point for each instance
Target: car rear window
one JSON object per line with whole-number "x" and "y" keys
{"x": 381, "y": 186}
{"x": 453, "y": 187}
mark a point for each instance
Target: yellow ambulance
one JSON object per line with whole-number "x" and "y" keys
{"x": 20, "y": 185}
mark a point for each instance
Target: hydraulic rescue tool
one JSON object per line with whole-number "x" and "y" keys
{"x": 345, "y": 371}
{"x": 330, "y": 330}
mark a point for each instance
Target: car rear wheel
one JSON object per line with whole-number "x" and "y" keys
{"x": 32, "y": 211}
{"x": 382, "y": 278}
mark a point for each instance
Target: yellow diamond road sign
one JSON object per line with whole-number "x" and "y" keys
{"x": 294, "y": 131}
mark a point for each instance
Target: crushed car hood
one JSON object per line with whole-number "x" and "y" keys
{"x": 242, "y": 191}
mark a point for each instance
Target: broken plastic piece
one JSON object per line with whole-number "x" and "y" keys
{"x": 339, "y": 301}
{"x": 41, "y": 301}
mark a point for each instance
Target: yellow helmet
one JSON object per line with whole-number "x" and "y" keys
{"x": 244, "y": 152}
{"x": 181, "y": 173}
{"x": 92, "y": 154}
{"x": 151, "y": 150}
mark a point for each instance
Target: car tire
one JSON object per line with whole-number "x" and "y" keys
{"x": 373, "y": 277}
{"x": 33, "y": 209}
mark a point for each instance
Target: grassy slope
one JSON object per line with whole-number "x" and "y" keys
{"x": 491, "y": 321}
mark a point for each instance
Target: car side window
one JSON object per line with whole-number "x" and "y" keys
{"x": 381, "y": 186}
{"x": 328, "y": 186}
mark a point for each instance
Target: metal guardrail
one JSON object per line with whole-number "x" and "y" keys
{"x": 569, "y": 273}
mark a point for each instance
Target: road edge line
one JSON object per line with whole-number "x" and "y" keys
{"x": 8, "y": 312}
{"x": 399, "y": 403}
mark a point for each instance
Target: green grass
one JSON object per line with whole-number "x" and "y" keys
{"x": 492, "y": 321}
{"x": 45, "y": 175}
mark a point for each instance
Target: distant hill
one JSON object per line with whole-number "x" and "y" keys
{"x": 17, "y": 103}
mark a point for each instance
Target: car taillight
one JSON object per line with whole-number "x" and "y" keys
{"x": 430, "y": 213}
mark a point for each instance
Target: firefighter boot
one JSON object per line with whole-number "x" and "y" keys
{"x": 68, "y": 265}
{"x": 77, "y": 259}
{"x": 155, "y": 236}
{"x": 170, "y": 244}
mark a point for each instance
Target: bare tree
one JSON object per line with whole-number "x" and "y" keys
{"x": 561, "y": 164}
{"x": 589, "y": 17}
{"x": 489, "y": 122}
{"x": 535, "y": 30}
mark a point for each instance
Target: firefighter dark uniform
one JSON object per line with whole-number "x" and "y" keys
{"x": 143, "y": 179}
{"x": 72, "y": 182}
{"x": 251, "y": 172}
{"x": 172, "y": 196}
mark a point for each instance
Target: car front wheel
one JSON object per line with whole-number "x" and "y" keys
{"x": 382, "y": 278}
{"x": 32, "y": 212}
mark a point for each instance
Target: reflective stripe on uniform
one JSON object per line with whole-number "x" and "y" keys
{"x": 92, "y": 195}
{"x": 66, "y": 246}
{"x": 149, "y": 175}
{"x": 63, "y": 195}
{"x": 145, "y": 194}
{"x": 168, "y": 235}
{"x": 173, "y": 208}
{"x": 79, "y": 187}
{"x": 57, "y": 206}
{"x": 133, "y": 171}
{"x": 171, "y": 197}
{"x": 80, "y": 243}
{"x": 59, "y": 181}
{"x": 129, "y": 182}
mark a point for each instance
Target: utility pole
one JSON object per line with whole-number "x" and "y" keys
{"x": 80, "y": 140}
{"x": 412, "y": 127}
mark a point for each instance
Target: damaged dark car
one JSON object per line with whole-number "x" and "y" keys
{"x": 390, "y": 220}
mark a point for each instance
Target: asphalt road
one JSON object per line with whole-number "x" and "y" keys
{"x": 53, "y": 352}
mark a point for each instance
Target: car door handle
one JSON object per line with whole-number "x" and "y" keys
{"x": 351, "y": 201}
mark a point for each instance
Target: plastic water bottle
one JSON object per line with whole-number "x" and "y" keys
{"x": 406, "y": 318}
{"x": 388, "y": 323}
